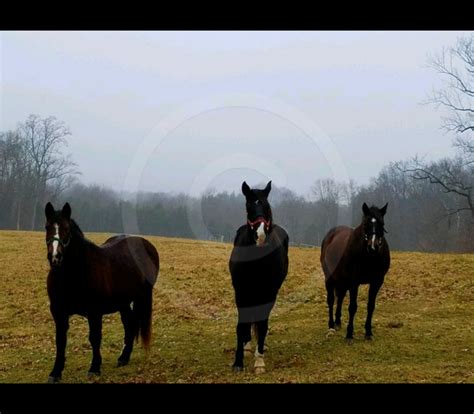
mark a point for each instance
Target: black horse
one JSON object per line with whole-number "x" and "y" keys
{"x": 92, "y": 280}
{"x": 351, "y": 257}
{"x": 258, "y": 266}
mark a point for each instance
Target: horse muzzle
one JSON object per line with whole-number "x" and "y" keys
{"x": 55, "y": 260}
{"x": 261, "y": 240}
{"x": 261, "y": 228}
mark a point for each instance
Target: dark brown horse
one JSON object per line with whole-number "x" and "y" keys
{"x": 92, "y": 280}
{"x": 351, "y": 257}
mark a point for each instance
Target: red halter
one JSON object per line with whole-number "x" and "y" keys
{"x": 258, "y": 221}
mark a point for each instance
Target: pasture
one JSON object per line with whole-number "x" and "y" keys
{"x": 423, "y": 322}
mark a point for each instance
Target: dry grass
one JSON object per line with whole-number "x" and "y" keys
{"x": 422, "y": 324}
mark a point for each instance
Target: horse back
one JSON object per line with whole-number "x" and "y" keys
{"x": 132, "y": 254}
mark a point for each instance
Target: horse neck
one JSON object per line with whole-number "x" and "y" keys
{"x": 73, "y": 256}
{"x": 359, "y": 230}
{"x": 358, "y": 237}
{"x": 77, "y": 249}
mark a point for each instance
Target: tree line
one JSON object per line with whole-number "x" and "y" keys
{"x": 419, "y": 214}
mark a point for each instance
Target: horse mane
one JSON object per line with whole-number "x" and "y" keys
{"x": 76, "y": 230}
{"x": 79, "y": 234}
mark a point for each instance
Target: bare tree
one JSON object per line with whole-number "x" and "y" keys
{"x": 456, "y": 64}
{"x": 455, "y": 176}
{"x": 329, "y": 195}
{"x": 44, "y": 139}
{"x": 327, "y": 190}
{"x": 452, "y": 175}
{"x": 15, "y": 174}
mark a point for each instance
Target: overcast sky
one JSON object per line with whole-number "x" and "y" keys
{"x": 190, "y": 111}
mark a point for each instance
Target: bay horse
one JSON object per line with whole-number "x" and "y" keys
{"x": 351, "y": 257}
{"x": 91, "y": 281}
{"x": 258, "y": 266}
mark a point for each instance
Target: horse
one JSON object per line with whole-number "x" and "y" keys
{"x": 258, "y": 266}
{"x": 352, "y": 257}
{"x": 89, "y": 280}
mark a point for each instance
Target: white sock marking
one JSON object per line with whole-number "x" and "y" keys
{"x": 259, "y": 361}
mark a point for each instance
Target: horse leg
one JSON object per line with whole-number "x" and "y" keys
{"x": 243, "y": 336}
{"x": 95, "y": 337}
{"x": 262, "y": 329}
{"x": 352, "y": 311}
{"x": 130, "y": 325}
{"x": 341, "y": 294}
{"x": 330, "y": 302}
{"x": 373, "y": 290}
{"x": 62, "y": 325}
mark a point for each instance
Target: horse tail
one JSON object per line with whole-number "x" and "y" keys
{"x": 144, "y": 309}
{"x": 145, "y": 302}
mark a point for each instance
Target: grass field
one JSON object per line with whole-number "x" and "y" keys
{"x": 423, "y": 322}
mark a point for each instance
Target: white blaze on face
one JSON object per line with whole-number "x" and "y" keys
{"x": 373, "y": 236}
{"x": 261, "y": 234}
{"x": 55, "y": 242}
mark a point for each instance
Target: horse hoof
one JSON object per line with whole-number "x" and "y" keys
{"x": 93, "y": 374}
{"x": 236, "y": 368}
{"x": 337, "y": 326}
{"x": 349, "y": 341}
{"x": 368, "y": 337}
{"x": 53, "y": 380}
{"x": 121, "y": 363}
{"x": 260, "y": 370}
{"x": 331, "y": 332}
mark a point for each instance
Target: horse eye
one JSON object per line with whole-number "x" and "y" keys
{"x": 257, "y": 202}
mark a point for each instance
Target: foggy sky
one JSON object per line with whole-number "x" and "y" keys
{"x": 215, "y": 108}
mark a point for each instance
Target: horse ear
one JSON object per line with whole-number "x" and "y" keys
{"x": 383, "y": 210}
{"x": 267, "y": 189}
{"x": 66, "y": 211}
{"x": 365, "y": 209}
{"x": 245, "y": 189}
{"x": 49, "y": 211}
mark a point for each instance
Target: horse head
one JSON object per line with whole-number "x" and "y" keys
{"x": 58, "y": 232}
{"x": 373, "y": 224}
{"x": 259, "y": 213}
